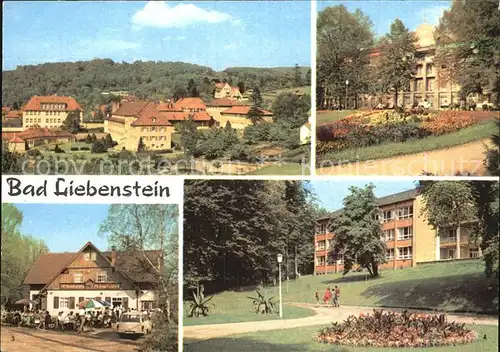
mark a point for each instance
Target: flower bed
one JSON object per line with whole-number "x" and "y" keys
{"x": 377, "y": 127}
{"x": 391, "y": 329}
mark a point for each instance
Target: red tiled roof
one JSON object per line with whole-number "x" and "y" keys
{"x": 36, "y": 133}
{"x": 14, "y": 114}
{"x": 150, "y": 116}
{"x": 131, "y": 108}
{"x": 243, "y": 110}
{"x": 5, "y": 109}
{"x": 235, "y": 89}
{"x": 190, "y": 103}
{"x": 16, "y": 140}
{"x": 224, "y": 102}
{"x": 35, "y": 102}
{"x": 182, "y": 116}
{"x": 167, "y": 107}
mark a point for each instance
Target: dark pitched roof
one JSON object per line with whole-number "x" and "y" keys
{"x": 131, "y": 263}
{"x": 131, "y": 108}
{"x": 382, "y": 201}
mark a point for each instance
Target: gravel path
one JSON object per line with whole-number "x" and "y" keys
{"x": 324, "y": 315}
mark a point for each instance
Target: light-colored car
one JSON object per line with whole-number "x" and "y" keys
{"x": 131, "y": 323}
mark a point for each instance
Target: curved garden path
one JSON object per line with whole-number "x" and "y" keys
{"x": 324, "y": 315}
{"x": 464, "y": 159}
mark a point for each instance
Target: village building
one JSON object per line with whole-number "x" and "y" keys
{"x": 33, "y": 137}
{"x": 410, "y": 240}
{"x": 49, "y": 111}
{"x": 224, "y": 90}
{"x": 59, "y": 281}
{"x": 428, "y": 85}
{"x": 153, "y": 123}
{"x": 238, "y": 116}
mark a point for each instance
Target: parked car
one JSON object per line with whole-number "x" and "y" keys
{"x": 137, "y": 323}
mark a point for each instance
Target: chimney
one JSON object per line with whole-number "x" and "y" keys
{"x": 113, "y": 255}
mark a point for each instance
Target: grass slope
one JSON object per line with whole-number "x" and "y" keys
{"x": 388, "y": 150}
{"x": 284, "y": 169}
{"x": 332, "y": 116}
{"x": 301, "y": 340}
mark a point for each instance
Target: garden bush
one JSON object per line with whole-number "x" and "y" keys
{"x": 34, "y": 152}
{"x": 396, "y": 330}
{"x": 84, "y": 148}
{"x": 74, "y": 149}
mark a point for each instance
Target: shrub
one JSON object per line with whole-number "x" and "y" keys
{"x": 449, "y": 121}
{"x": 74, "y": 149}
{"x": 58, "y": 150}
{"x": 34, "y": 152}
{"x": 261, "y": 304}
{"x": 397, "y": 330}
{"x": 99, "y": 147}
{"x": 199, "y": 304}
{"x": 84, "y": 148}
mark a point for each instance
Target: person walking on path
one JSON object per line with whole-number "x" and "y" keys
{"x": 81, "y": 316}
{"x": 317, "y": 297}
{"x": 336, "y": 295}
{"x": 327, "y": 296}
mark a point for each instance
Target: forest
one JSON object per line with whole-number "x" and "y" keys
{"x": 87, "y": 80}
{"x": 233, "y": 231}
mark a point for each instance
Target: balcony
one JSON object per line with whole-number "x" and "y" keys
{"x": 450, "y": 240}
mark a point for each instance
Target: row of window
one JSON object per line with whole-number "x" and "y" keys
{"x": 404, "y": 233}
{"x": 398, "y": 214}
{"x": 331, "y": 261}
{"x": 38, "y": 113}
{"x": 153, "y": 129}
{"x": 53, "y": 106}
{"x": 402, "y": 253}
{"x": 101, "y": 277}
{"x": 69, "y": 302}
{"x": 154, "y": 138}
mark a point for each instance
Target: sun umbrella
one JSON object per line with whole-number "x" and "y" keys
{"x": 93, "y": 303}
{"x": 26, "y": 301}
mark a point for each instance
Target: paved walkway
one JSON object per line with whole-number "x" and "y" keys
{"x": 324, "y": 315}
{"x": 464, "y": 159}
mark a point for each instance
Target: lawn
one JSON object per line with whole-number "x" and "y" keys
{"x": 448, "y": 286}
{"x": 332, "y": 116}
{"x": 235, "y": 307}
{"x": 301, "y": 340}
{"x": 284, "y": 169}
{"x": 388, "y": 150}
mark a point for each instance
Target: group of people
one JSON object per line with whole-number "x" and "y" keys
{"x": 331, "y": 297}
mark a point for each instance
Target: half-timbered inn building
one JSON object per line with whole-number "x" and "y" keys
{"x": 59, "y": 281}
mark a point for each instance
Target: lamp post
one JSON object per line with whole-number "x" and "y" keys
{"x": 346, "y": 85}
{"x": 280, "y": 260}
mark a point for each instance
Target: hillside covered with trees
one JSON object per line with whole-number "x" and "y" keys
{"x": 87, "y": 80}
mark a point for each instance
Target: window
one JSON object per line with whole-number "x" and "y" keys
{"x": 405, "y": 213}
{"x": 321, "y": 245}
{"x": 431, "y": 84}
{"x": 390, "y": 254}
{"x": 63, "y": 302}
{"x": 388, "y": 235}
{"x": 419, "y": 70}
{"x": 405, "y": 233}
{"x": 429, "y": 69}
{"x": 473, "y": 253}
{"x": 148, "y": 305}
{"x": 102, "y": 277}
{"x": 320, "y": 260}
{"x": 116, "y": 301}
{"x": 405, "y": 252}
{"x": 89, "y": 255}
{"x": 387, "y": 216}
{"x": 78, "y": 277}
{"x": 321, "y": 228}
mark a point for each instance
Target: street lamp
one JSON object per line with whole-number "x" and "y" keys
{"x": 280, "y": 260}
{"x": 346, "y": 85}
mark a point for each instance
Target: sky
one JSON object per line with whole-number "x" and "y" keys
{"x": 64, "y": 227}
{"x": 383, "y": 13}
{"x": 215, "y": 34}
{"x": 330, "y": 194}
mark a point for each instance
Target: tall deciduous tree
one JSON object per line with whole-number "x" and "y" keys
{"x": 344, "y": 40}
{"x": 298, "y": 76}
{"x": 448, "y": 205}
{"x": 292, "y": 109}
{"x": 396, "y": 67}
{"x": 18, "y": 253}
{"x": 358, "y": 231}
{"x": 468, "y": 48}
{"x": 142, "y": 228}
{"x": 72, "y": 122}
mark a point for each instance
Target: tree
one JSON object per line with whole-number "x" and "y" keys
{"x": 297, "y": 76}
{"x": 343, "y": 42}
{"x": 109, "y": 142}
{"x": 257, "y": 97}
{"x": 18, "y": 253}
{"x": 241, "y": 86}
{"x": 141, "y": 146}
{"x": 447, "y": 205}
{"x": 308, "y": 77}
{"x": 99, "y": 147}
{"x": 468, "y": 49}
{"x": 190, "y": 136}
{"x": 255, "y": 114}
{"x": 493, "y": 154}
{"x": 144, "y": 228}
{"x": 12, "y": 163}
{"x": 72, "y": 122}
{"x": 292, "y": 109}
{"x": 396, "y": 67}
{"x": 358, "y": 231}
